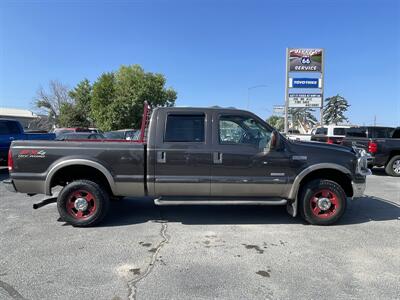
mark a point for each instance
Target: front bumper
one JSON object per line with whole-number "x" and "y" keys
{"x": 358, "y": 188}
{"x": 9, "y": 184}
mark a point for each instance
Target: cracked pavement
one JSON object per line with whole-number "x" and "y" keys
{"x": 142, "y": 251}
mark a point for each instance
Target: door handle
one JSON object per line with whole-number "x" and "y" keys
{"x": 217, "y": 158}
{"x": 161, "y": 157}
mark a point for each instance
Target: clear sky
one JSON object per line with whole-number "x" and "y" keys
{"x": 210, "y": 51}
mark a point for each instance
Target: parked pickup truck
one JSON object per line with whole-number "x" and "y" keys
{"x": 11, "y": 130}
{"x": 386, "y": 152}
{"x": 192, "y": 156}
{"x": 363, "y": 137}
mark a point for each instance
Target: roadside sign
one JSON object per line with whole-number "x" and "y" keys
{"x": 305, "y": 83}
{"x": 299, "y": 61}
{"x": 305, "y": 100}
{"x": 305, "y": 60}
{"x": 278, "y": 110}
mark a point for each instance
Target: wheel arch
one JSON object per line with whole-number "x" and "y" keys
{"x": 392, "y": 154}
{"x": 328, "y": 171}
{"x": 82, "y": 169}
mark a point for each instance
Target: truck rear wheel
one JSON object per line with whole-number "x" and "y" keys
{"x": 322, "y": 202}
{"x": 83, "y": 203}
{"x": 393, "y": 166}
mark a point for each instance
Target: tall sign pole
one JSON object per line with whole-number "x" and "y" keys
{"x": 286, "y": 92}
{"x": 321, "y": 110}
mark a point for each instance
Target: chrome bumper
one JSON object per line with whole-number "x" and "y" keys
{"x": 9, "y": 184}
{"x": 358, "y": 188}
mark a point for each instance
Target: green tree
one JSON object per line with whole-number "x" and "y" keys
{"x": 77, "y": 112}
{"x": 334, "y": 110}
{"x": 117, "y": 98}
{"x": 277, "y": 122}
{"x": 102, "y": 98}
{"x": 303, "y": 117}
{"x": 71, "y": 116}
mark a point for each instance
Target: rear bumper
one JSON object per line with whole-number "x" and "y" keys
{"x": 358, "y": 189}
{"x": 9, "y": 184}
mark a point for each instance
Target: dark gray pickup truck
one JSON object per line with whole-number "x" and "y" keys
{"x": 192, "y": 156}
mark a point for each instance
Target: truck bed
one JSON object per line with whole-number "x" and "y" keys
{"x": 124, "y": 161}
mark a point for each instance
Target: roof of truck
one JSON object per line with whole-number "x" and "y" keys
{"x": 181, "y": 108}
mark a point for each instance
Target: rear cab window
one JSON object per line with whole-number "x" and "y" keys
{"x": 185, "y": 128}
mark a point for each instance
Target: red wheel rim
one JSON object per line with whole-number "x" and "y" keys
{"x": 78, "y": 198}
{"x": 322, "y": 197}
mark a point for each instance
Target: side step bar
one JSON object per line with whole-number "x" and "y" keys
{"x": 165, "y": 202}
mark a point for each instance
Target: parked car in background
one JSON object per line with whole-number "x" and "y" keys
{"x": 193, "y": 156}
{"x": 331, "y": 134}
{"x": 123, "y": 134}
{"x": 386, "y": 152}
{"x": 59, "y": 131}
{"x": 359, "y": 136}
{"x": 80, "y": 136}
{"x": 295, "y": 135}
{"x": 11, "y": 130}
{"x": 95, "y": 130}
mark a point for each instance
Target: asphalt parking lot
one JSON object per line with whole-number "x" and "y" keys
{"x": 142, "y": 251}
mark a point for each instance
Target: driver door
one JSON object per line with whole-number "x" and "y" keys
{"x": 243, "y": 165}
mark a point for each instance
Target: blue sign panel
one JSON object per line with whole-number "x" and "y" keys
{"x": 304, "y": 83}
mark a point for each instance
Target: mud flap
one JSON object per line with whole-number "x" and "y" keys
{"x": 291, "y": 207}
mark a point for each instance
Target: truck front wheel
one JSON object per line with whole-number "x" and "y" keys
{"x": 393, "y": 166}
{"x": 82, "y": 203}
{"x": 322, "y": 202}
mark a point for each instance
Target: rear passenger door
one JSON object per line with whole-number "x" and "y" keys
{"x": 183, "y": 156}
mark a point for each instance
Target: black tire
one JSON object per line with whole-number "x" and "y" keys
{"x": 317, "y": 189}
{"x": 97, "y": 202}
{"x": 391, "y": 169}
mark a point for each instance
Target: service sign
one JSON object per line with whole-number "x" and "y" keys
{"x": 305, "y": 100}
{"x": 305, "y": 60}
{"x": 305, "y": 83}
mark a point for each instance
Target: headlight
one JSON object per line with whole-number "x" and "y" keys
{"x": 362, "y": 163}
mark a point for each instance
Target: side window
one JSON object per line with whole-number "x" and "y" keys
{"x": 230, "y": 132}
{"x": 241, "y": 130}
{"x": 356, "y": 132}
{"x": 322, "y": 130}
{"x": 184, "y": 128}
{"x": 339, "y": 131}
{"x": 396, "y": 134}
{"x": 4, "y": 127}
{"x": 381, "y": 132}
{"x": 13, "y": 128}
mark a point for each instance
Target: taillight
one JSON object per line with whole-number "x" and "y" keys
{"x": 329, "y": 141}
{"x": 372, "y": 147}
{"x": 10, "y": 161}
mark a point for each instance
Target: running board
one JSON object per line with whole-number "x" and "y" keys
{"x": 165, "y": 202}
